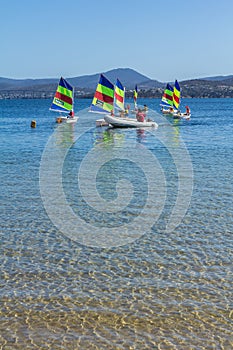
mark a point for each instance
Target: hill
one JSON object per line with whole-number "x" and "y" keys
{"x": 12, "y": 84}
{"x": 219, "y": 77}
{"x": 218, "y": 86}
{"x": 127, "y": 76}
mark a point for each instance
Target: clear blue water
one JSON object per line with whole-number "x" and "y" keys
{"x": 149, "y": 269}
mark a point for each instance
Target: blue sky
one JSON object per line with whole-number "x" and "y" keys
{"x": 164, "y": 40}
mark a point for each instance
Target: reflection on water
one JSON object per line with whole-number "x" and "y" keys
{"x": 65, "y": 134}
{"x": 176, "y": 130}
{"x": 162, "y": 291}
{"x": 141, "y": 135}
{"x": 108, "y": 137}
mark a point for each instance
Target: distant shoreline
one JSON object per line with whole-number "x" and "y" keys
{"x": 152, "y": 93}
{"x": 84, "y": 86}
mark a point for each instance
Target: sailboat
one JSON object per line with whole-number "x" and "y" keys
{"x": 119, "y": 96}
{"x": 104, "y": 96}
{"x": 121, "y": 120}
{"x": 171, "y": 102}
{"x": 167, "y": 100}
{"x": 176, "y": 95}
{"x": 103, "y": 99}
{"x": 135, "y": 96}
{"x": 108, "y": 99}
{"x": 63, "y": 102}
{"x": 176, "y": 102}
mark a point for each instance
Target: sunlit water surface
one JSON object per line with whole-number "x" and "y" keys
{"x": 159, "y": 290}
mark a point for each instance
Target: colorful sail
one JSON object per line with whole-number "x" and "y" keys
{"x": 119, "y": 95}
{"x": 63, "y": 99}
{"x": 176, "y": 95}
{"x": 135, "y": 95}
{"x": 167, "y": 98}
{"x": 104, "y": 96}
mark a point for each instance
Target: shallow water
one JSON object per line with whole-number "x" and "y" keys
{"x": 149, "y": 269}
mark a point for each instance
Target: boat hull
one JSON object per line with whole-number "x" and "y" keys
{"x": 176, "y": 115}
{"x": 181, "y": 116}
{"x": 167, "y": 111}
{"x": 67, "y": 119}
{"x": 101, "y": 122}
{"x": 119, "y": 122}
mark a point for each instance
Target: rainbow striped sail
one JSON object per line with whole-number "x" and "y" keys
{"x": 104, "y": 96}
{"x": 135, "y": 95}
{"x": 63, "y": 99}
{"x": 119, "y": 95}
{"x": 176, "y": 95}
{"x": 167, "y": 98}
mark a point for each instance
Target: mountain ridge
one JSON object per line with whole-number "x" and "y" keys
{"x": 85, "y": 85}
{"x": 128, "y": 77}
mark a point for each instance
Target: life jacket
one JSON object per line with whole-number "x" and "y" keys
{"x": 140, "y": 117}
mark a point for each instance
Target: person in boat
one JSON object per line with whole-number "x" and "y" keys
{"x": 71, "y": 114}
{"x": 122, "y": 114}
{"x": 171, "y": 109}
{"x": 145, "y": 108}
{"x": 126, "y": 112}
{"x": 140, "y": 115}
{"x": 187, "y": 110}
